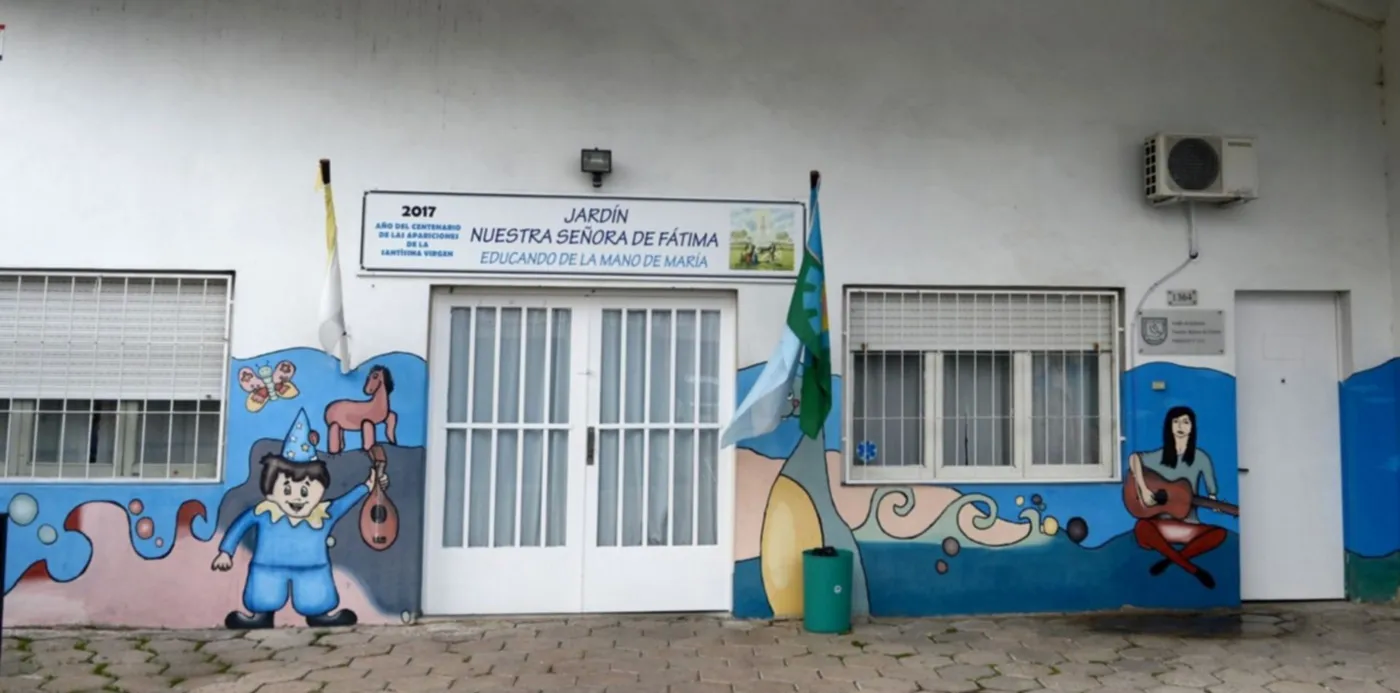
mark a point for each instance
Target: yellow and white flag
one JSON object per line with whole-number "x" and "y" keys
{"x": 334, "y": 339}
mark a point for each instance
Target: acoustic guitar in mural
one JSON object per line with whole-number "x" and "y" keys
{"x": 379, "y": 519}
{"x": 1174, "y": 498}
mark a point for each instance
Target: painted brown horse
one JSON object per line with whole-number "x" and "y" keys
{"x": 363, "y": 415}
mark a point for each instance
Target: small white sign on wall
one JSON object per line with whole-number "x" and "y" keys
{"x": 1181, "y": 297}
{"x": 1181, "y": 332}
{"x": 556, "y": 234}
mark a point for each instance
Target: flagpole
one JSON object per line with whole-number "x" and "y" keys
{"x": 332, "y": 333}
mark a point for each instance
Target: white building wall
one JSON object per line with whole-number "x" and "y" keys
{"x": 1390, "y": 95}
{"x": 986, "y": 143}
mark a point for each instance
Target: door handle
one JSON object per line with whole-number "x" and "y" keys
{"x": 1243, "y": 470}
{"x": 588, "y": 449}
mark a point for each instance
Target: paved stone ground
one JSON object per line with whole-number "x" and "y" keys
{"x": 1343, "y": 648}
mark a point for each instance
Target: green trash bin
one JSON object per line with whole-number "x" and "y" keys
{"x": 826, "y": 590}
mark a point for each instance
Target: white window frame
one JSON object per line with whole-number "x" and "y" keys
{"x": 932, "y": 469}
{"x": 17, "y": 464}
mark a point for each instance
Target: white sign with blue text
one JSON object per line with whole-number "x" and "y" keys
{"x": 537, "y": 234}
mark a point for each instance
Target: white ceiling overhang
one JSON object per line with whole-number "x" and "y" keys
{"x": 1370, "y": 11}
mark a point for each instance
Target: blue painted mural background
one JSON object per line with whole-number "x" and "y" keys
{"x": 1105, "y": 569}
{"x": 39, "y": 511}
{"x": 1370, "y": 403}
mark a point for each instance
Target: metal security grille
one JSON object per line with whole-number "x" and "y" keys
{"x": 971, "y": 384}
{"x": 508, "y": 399}
{"x": 112, "y": 375}
{"x": 658, "y": 430}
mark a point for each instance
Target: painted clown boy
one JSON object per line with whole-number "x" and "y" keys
{"x": 291, "y": 556}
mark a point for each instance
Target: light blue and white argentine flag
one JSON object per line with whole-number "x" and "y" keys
{"x": 768, "y": 400}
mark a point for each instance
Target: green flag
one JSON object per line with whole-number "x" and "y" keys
{"x": 807, "y": 318}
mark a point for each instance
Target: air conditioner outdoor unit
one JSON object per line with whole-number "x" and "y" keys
{"x": 1200, "y": 168}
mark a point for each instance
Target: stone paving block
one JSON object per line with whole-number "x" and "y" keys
{"x": 133, "y": 669}
{"x": 1084, "y": 669}
{"x": 75, "y": 684}
{"x": 200, "y": 683}
{"x": 1023, "y": 670}
{"x": 1151, "y": 666}
{"x": 1299, "y": 674}
{"x": 1131, "y": 680}
{"x": 61, "y": 670}
{"x": 1243, "y": 677}
{"x": 764, "y": 687}
{"x": 192, "y": 669}
{"x": 1339, "y": 649}
{"x": 291, "y": 687}
{"x": 826, "y": 687}
{"x": 1294, "y": 687}
{"x": 1011, "y": 684}
{"x": 1068, "y": 683}
{"x": 53, "y": 657}
{"x": 966, "y": 672}
{"x": 727, "y": 675}
{"x": 25, "y": 683}
{"x": 788, "y": 674}
{"x": 123, "y": 657}
{"x": 665, "y": 677}
{"x": 142, "y": 684}
{"x": 887, "y": 686}
{"x": 702, "y": 687}
{"x": 1354, "y": 686}
{"x": 1188, "y": 678}
{"x": 11, "y": 666}
{"x": 336, "y": 674}
{"x": 427, "y": 682}
{"x": 1236, "y": 688}
{"x": 54, "y": 644}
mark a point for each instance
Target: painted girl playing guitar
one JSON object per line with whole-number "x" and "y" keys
{"x": 1161, "y": 491}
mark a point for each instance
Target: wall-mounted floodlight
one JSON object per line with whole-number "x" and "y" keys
{"x": 596, "y": 162}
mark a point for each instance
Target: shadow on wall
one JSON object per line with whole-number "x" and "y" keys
{"x": 1371, "y": 481}
{"x": 70, "y": 543}
{"x": 988, "y": 548}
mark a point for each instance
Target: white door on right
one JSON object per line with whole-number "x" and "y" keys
{"x": 1287, "y": 375}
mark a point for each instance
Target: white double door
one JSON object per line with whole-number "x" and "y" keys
{"x": 573, "y": 458}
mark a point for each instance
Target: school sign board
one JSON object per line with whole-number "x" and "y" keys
{"x": 562, "y": 235}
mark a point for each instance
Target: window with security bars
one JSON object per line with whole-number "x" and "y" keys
{"x": 980, "y": 385}
{"x": 110, "y": 376}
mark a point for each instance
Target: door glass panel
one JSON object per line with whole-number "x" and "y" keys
{"x": 682, "y": 532}
{"x": 459, "y": 362}
{"x": 687, "y": 367}
{"x": 556, "y": 511}
{"x": 512, "y": 463}
{"x": 707, "y": 434}
{"x": 532, "y": 487}
{"x": 484, "y": 368}
{"x": 633, "y": 448}
{"x": 609, "y": 414}
{"x": 455, "y": 455}
{"x": 659, "y": 428}
{"x": 532, "y": 442}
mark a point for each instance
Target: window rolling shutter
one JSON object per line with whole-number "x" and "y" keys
{"x": 911, "y": 320}
{"x": 128, "y": 337}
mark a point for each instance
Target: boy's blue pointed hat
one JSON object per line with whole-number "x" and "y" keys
{"x": 297, "y": 446}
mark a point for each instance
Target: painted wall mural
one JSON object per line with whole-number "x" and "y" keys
{"x": 305, "y": 448}
{"x": 1166, "y": 537}
{"x": 1370, "y": 403}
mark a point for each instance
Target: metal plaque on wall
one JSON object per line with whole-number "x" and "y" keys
{"x": 1181, "y": 332}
